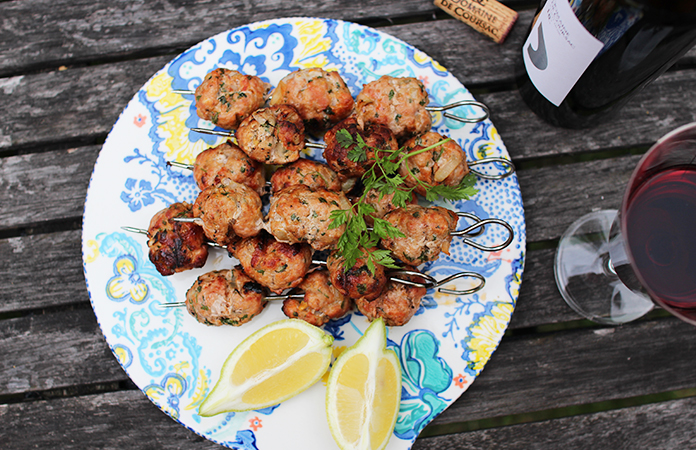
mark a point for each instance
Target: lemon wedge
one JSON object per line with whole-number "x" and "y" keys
{"x": 273, "y": 364}
{"x": 363, "y": 392}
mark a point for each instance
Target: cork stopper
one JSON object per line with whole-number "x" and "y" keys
{"x": 489, "y": 17}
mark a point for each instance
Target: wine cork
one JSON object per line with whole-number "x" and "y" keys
{"x": 489, "y": 17}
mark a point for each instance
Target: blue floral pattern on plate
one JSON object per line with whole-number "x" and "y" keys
{"x": 175, "y": 360}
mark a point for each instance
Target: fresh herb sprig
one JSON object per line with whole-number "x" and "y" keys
{"x": 383, "y": 177}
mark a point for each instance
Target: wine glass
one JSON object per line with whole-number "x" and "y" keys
{"x": 613, "y": 266}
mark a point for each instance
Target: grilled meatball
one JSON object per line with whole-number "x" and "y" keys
{"x": 397, "y": 103}
{"x": 312, "y": 174}
{"x": 397, "y": 304}
{"x": 357, "y": 281}
{"x": 176, "y": 246}
{"x": 273, "y": 135}
{"x": 442, "y": 165}
{"x": 300, "y": 214}
{"x": 226, "y": 97}
{"x": 225, "y": 297}
{"x": 322, "y": 98}
{"x": 322, "y": 301}
{"x": 276, "y": 265}
{"x": 427, "y": 233}
{"x": 227, "y": 161}
{"x": 336, "y": 154}
{"x": 383, "y": 204}
{"x": 227, "y": 210}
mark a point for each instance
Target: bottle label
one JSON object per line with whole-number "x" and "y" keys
{"x": 558, "y": 50}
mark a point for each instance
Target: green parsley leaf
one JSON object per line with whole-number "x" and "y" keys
{"x": 344, "y": 138}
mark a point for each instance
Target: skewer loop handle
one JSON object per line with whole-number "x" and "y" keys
{"x": 486, "y": 112}
{"x": 431, "y": 283}
{"x": 510, "y": 168}
{"x": 478, "y": 227}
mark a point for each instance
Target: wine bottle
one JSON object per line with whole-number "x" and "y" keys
{"x": 583, "y": 60}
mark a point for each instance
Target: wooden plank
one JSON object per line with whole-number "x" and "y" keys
{"x": 669, "y": 102}
{"x": 44, "y": 186}
{"x": 527, "y": 372}
{"x": 555, "y": 196}
{"x": 76, "y": 31}
{"x": 545, "y": 371}
{"x": 82, "y": 422}
{"x": 54, "y": 351}
{"x": 41, "y": 271}
{"x": 72, "y": 105}
{"x": 550, "y": 207}
{"x": 118, "y": 420}
{"x": 539, "y": 302}
{"x": 82, "y": 104}
{"x": 548, "y": 193}
{"x": 45, "y": 271}
{"x": 666, "y": 425}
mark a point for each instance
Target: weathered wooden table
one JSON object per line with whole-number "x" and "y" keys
{"x": 67, "y": 69}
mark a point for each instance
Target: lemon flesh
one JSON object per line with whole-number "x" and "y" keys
{"x": 363, "y": 392}
{"x": 274, "y": 364}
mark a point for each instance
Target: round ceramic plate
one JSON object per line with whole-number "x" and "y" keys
{"x": 174, "y": 359}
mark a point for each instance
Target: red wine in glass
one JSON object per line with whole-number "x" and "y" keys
{"x": 610, "y": 267}
{"x": 659, "y": 227}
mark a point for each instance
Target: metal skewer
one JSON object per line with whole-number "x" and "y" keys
{"x": 429, "y": 281}
{"x": 509, "y": 170}
{"x": 476, "y": 229}
{"x": 431, "y": 109}
{"x": 231, "y": 134}
{"x": 492, "y": 160}
{"x": 267, "y": 298}
{"x": 145, "y": 232}
{"x": 432, "y": 283}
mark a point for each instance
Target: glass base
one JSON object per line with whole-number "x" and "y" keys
{"x": 586, "y": 278}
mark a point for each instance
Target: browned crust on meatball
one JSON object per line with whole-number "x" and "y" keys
{"x": 357, "y": 281}
{"x": 427, "y": 231}
{"x": 229, "y": 210}
{"x": 376, "y": 136}
{"x": 442, "y": 165}
{"x": 300, "y": 214}
{"x": 225, "y": 297}
{"x": 226, "y": 97}
{"x": 276, "y": 265}
{"x": 397, "y": 103}
{"x": 313, "y": 174}
{"x": 176, "y": 246}
{"x": 322, "y": 98}
{"x": 273, "y": 135}
{"x": 322, "y": 301}
{"x": 397, "y": 304}
{"x": 227, "y": 161}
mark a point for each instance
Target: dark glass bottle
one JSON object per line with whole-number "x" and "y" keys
{"x": 641, "y": 40}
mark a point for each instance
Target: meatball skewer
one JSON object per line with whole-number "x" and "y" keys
{"x": 229, "y": 297}
{"x": 428, "y": 231}
{"x": 400, "y": 103}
